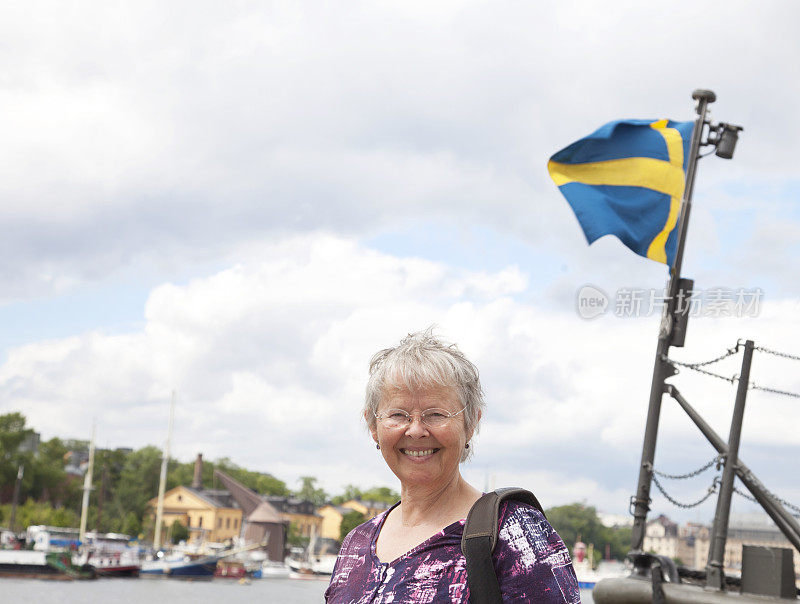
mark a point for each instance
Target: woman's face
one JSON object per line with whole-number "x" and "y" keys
{"x": 417, "y": 454}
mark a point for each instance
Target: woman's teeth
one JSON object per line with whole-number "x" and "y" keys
{"x": 419, "y": 453}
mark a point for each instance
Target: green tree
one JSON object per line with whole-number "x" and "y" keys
{"x": 260, "y": 482}
{"x": 32, "y": 512}
{"x": 578, "y": 521}
{"x": 295, "y": 538}
{"x": 131, "y": 525}
{"x": 265, "y": 484}
{"x": 49, "y": 481}
{"x": 138, "y": 483}
{"x": 382, "y": 494}
{"x": 179, "y": 532}
{"x": 350, "y": 521}
{"x": 12, "y": 434}
{"x": 350, "y": 492}
{"x": 310, "y": 492}
{"x": 108, "y": 464}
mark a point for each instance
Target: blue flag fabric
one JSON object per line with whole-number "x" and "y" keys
{"x": 627, "y": 179}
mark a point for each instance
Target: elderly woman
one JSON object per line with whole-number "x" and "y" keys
{"x": 423, "y": 406}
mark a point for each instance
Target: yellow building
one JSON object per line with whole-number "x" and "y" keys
{"x": 332, "y": 515}
{"x": 299, "y": 512}
{"x": 209, "y": 515}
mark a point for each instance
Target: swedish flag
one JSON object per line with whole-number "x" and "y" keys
{"x": 627, "y": 179}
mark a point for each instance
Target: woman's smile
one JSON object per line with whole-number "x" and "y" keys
{"x": 419, "y": 454}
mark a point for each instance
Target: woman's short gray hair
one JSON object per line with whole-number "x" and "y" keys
{"x": 422, "y": 361}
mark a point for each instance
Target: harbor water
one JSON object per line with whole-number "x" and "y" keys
{"x": 150, "y": 591}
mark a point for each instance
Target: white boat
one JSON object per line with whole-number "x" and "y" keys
{"x": 272, "y": 570}
{"x": 315, "y": 565}
{"x": 318, "y": 558}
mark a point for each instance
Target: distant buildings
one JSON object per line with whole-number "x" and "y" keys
{"x": 689, "y": 543}
{"x": 332, "y": 515}
{"x": 237, "y": 511}
{"x": 208, "y": 515}
{"x": 300, "y": 512}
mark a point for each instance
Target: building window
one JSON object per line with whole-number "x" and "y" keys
{"x": 227, "y": 523}
{"x": 219, "y": 522}
{"x": 235, "y": 523}
{"x": 200, "y": 522}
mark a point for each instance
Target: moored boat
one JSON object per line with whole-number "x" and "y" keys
{"x": 110, "y": 555}
{"x": 38, "y": 564}
{"x": 180, "y": 567}
{"x": 274, "y": 570}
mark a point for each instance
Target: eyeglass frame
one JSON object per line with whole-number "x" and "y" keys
{"x": 410, "y": 417}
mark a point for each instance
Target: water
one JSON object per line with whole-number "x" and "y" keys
{"x": 152, "y": 591}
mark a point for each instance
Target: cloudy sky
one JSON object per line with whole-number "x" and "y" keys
{"x": 242, "y": 202}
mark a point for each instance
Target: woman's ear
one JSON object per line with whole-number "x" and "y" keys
{"x": 477, "y": 421}
{"x": 373, "y": 429}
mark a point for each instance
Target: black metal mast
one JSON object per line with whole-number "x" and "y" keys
{"x": 662, "y": 370}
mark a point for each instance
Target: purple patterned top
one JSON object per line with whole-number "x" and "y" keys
{"x": 531, "y": 561}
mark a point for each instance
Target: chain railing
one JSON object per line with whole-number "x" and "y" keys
{"x": 795, "y": 510}
{"x": 753, "y": 386}
{"x": 785, "y": 355}
{"x": 717, "y": 460}
{"x": 711, "y": 490}
{"x": 698, "y": 367}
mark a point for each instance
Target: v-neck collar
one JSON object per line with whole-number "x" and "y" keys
{"x": 373, "y": 546}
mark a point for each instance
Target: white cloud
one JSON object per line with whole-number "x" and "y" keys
{"x": 181, "y": 132}
{"x": 269, "y": 360}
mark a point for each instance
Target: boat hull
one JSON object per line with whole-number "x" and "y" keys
{"x": 32, "y": 564}
{"x": 118, "y": 571}
{"x": 202, "y": 568}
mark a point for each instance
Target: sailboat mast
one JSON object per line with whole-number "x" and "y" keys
{"x": 163, "y": 479}
{"x": 87, "y": 489}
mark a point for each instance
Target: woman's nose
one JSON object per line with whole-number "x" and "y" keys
{"x": 416, "y": 428}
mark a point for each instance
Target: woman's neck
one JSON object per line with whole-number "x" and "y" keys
{"x": 445, "y": 503}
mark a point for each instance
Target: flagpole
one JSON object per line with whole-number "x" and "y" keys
{"x": 662, "y": 370}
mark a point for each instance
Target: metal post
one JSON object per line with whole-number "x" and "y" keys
{"x": 715, "y": 573}
{"x": 163, "y": 478}
{"x": 87, "y": 490}
{"x": 785, "y": 522}
{"x": 661, "y": 370}
{"x": 15, "y": 498}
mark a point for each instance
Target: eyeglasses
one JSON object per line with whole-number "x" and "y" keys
{"x": 433, "y": 418}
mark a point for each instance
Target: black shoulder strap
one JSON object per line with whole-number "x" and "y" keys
{"x": 480, "y": 539}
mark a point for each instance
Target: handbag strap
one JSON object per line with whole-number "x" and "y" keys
{"x": 480, "y": 539}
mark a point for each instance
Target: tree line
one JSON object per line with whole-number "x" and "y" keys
{"x": 126, "y": 480}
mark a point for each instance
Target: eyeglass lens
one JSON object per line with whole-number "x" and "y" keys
{"x": 433, "y": 418}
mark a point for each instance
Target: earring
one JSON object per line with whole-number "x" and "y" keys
{"x": 377, "y": 445}
{"x": 466, "y": 446}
